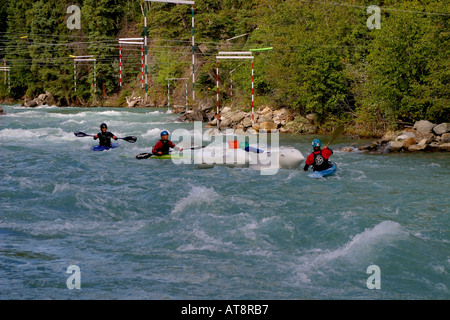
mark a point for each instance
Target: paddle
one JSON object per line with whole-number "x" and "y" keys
{"x": 336, "y": 133}
{"x": 144, "y": 155}
{"x": 130, "y": 139}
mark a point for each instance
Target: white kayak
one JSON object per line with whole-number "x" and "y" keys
{"x": 211, "y": 156}
{"x": 253, "y": 156}
{"x": 282, "y": 157}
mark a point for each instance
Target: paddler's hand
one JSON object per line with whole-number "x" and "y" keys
{"x": 159, "y": 153}
{"x": 115, "y": 138}
{"x": 180, "y": 149}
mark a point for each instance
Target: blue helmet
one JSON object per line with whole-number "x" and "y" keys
{"x": 164, "y": 133}
{"x": 316, "y": 143}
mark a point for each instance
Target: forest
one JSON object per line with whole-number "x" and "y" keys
{"x": 371, "y": 64}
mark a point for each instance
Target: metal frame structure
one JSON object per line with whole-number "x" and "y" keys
{"x": 7, "y": 70}
{"x": 82, "y": 59}
{"x": 131, "y": 41}
{"x": 234, "y": 55}
{"x": 146, "y": 43}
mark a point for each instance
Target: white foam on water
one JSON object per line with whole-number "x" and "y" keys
{"x": 434, "y": 165}
{"x": 197, "y": 197}
{"x": 361, "y": 243}
{"x": 18, "y": 134}
{"x": 204, "y": 241}
{"x": 155, "y": 112}
{"x": 51, "y": 134}
{"x": 152, "y": 133}
{"x": 73, "y": 121}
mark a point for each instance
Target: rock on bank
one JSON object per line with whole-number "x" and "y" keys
{"x": 423, "y": 136}
{"x": 265, "y": 119}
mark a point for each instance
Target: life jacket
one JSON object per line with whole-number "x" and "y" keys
{"x": 320, "y": 163}
{"x": 165, "y": 147}
{"x": 105, "y": 139}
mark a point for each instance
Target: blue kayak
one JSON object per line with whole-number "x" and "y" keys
{"x": 324, "y": 173}
{"x": 102, "y": 148}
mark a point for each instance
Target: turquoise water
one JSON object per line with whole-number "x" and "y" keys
{"x": 151, "y": 229}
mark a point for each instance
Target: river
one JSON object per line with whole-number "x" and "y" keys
{"x": 153, "y": 229}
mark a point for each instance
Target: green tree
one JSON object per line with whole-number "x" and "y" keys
{"x": 17, "y": 52}
{"x": 49, "y": 50}
{"x": 311, "y": 41}
{"x": 101, "y": 21}
{"x": 407, "y": 67}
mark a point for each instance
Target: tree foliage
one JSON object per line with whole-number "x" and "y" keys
{"x": 325, "y": 60}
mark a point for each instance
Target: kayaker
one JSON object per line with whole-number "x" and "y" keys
{"x": 104, "y": 136}
{"x": 318, "y": 159}
{"x": 164, "y": 144}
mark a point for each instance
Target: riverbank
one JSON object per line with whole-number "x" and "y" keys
{"x": 422, "y": 136}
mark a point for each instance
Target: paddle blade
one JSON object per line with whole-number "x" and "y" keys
{"x": 131, "y": 139}
{"x": 143, "y": 156}
{"x": 81, "y": 134}
{"x": 337, "y": 132}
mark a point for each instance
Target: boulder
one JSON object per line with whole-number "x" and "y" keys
{"x": 395, "y": 145}
{"x": 442, "y": 128}
{"x": 406, "y": 135}
{"x": 434, "y": 146}
{"x": 230, "y": 119}
{"x": 31, "y": 104}
{"x": 193, "y": 115}
{"x": 444, "y": 147}
{"x": 388, "y": 136}
{"x": 212, "y": 123}
{"x": 264, "y": 118}
{"x": 268, "y": 126}
{"x": 247, "y": 122}
{"x": 423, "y": 142}
{"x": 225, "y": 110}
{"x": 213, "y": 132}
{"x": 423, "y": 127}
{"x": 51, "y": 101}
{"x": 240, "y": 132}
{"x": 445, "y": 138}
{"x": 371, "y": 147}
{"x": 348, "y": 149}
{"x": 417, "y": 147}
{"x": 429, "y": 137}
{"x": 267, "y": 111}
{"x": 409, "y": 142}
